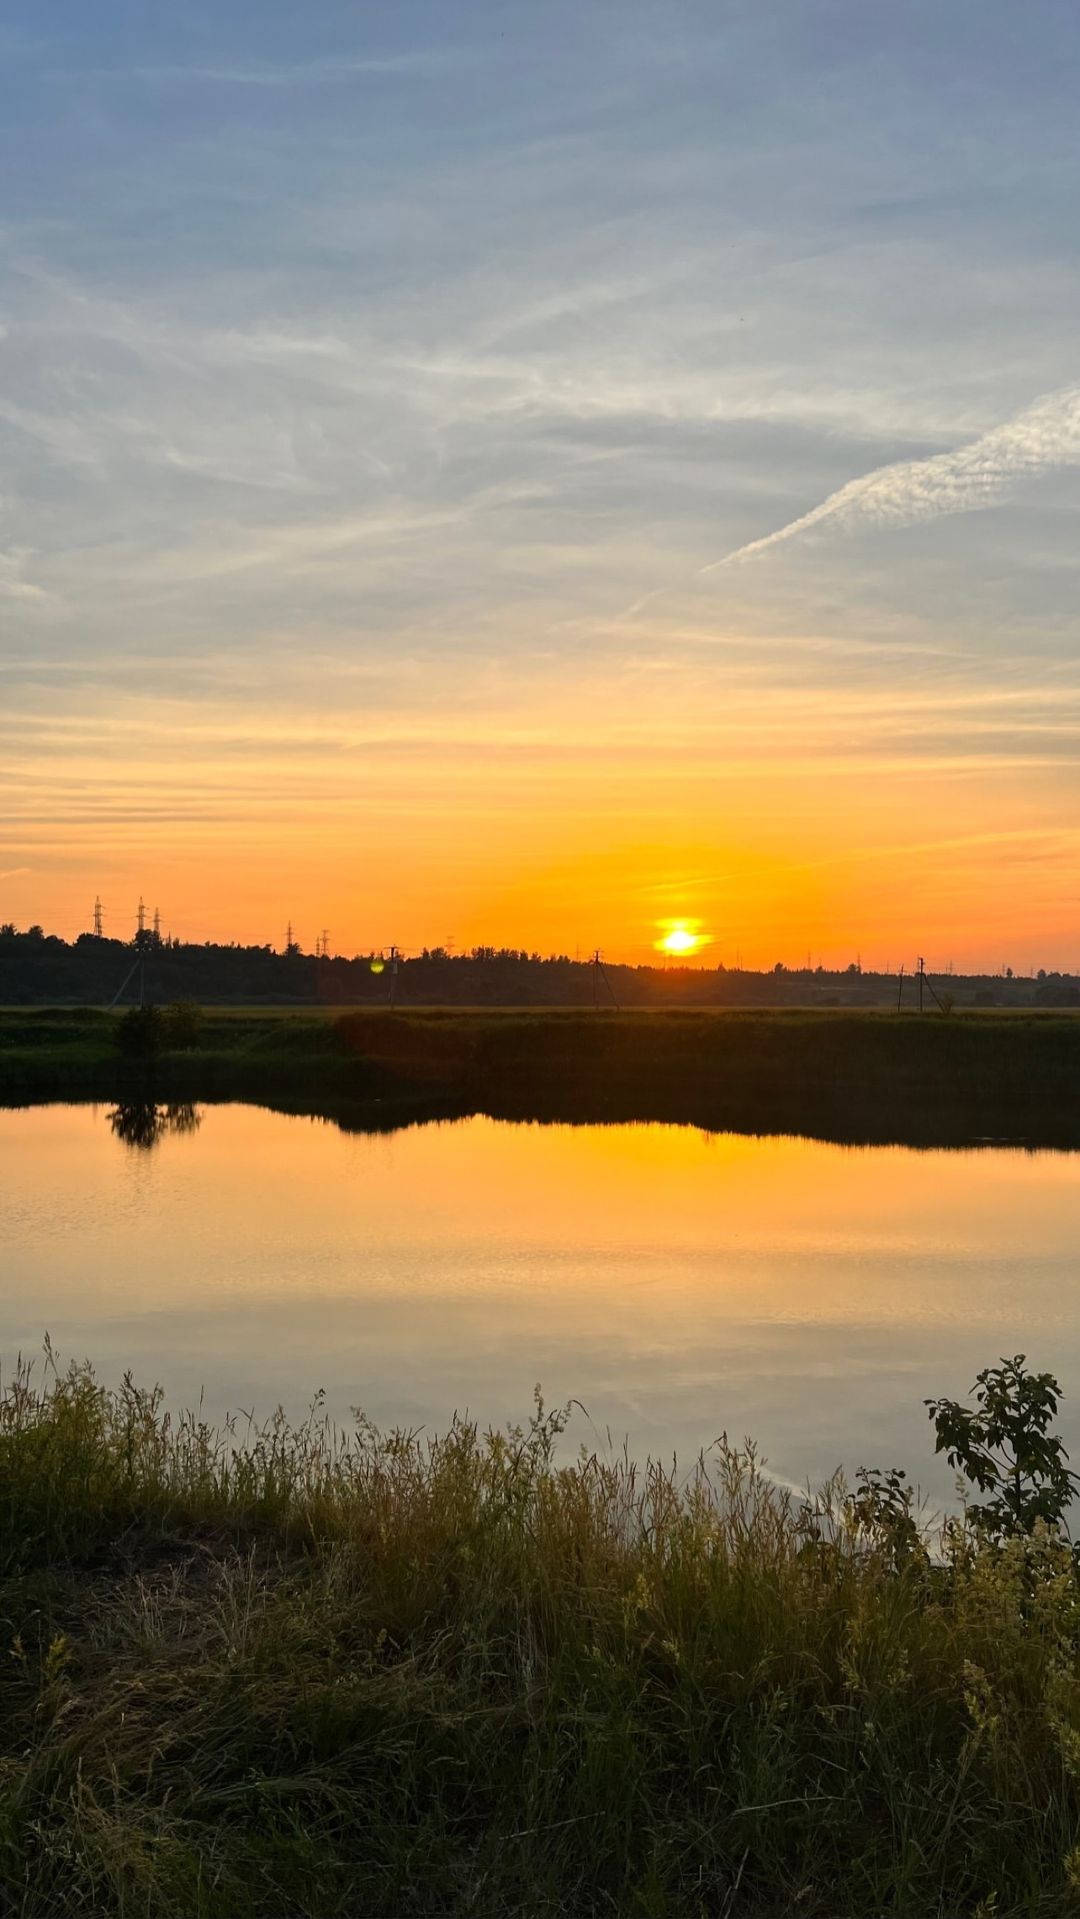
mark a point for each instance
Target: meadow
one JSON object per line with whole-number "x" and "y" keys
{"x": 290, "y": 1671}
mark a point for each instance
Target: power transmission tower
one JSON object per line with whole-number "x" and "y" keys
{"x": 98, "y": 934}
{"x": 157, "y": 926}
{"x": 322, "y": 944}
{"x": 142, "y": 917}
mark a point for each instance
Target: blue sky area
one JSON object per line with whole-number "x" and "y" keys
{"x": 640, "y": 380}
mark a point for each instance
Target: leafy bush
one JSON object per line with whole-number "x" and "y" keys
{"x": 1005, "y": 1448}
{"x": 140, "y": 1032}
{"x": 145, "y": 1031}
{"x": 184, "y": 1022}
{"x": 884, "y": 1510}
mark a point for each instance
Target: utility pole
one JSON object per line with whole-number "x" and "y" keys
{"x": 922, "y": 975}
{"x": 598, "y": 972}
{"x": 393, "y": 974}
{"x": 98, "y": 934}
{"x": 140, "y": 968}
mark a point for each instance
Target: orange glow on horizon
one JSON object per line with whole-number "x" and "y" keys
{"x": 592, "y": 826}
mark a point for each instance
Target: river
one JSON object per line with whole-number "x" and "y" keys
{"x": 675, "y": 1283}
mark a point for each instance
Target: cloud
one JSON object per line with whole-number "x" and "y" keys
{"x": 299, "y": 73}
{"x": 1043, "y": 436}
{"x": 12, "y": 584}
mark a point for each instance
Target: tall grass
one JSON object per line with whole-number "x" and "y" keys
{"x": 283, "y": 1672}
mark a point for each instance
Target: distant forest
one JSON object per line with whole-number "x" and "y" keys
{"x": 37, "y": 968}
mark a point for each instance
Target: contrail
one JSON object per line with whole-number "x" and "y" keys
{"x": 1045, "y": 435}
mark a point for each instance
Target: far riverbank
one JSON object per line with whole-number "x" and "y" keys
{"x": 850, "y": 1076}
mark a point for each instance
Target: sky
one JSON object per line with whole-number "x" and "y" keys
{"x": 522, "y": 475}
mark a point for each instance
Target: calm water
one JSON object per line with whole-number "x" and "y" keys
{"x": 676, "y": 1283}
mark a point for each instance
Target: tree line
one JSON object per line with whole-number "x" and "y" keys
{"x": 37, "y": 968}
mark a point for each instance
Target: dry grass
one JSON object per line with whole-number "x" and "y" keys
{"x": 285, "y": 1672}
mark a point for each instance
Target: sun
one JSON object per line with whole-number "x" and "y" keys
{"x": 680, "y": 938}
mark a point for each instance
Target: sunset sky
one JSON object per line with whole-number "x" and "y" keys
{"x": 524, "y": 474}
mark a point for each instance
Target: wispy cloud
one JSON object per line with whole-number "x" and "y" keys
{"x": 303, "y": 72}
{"x": 12, "y": 584}
{"x": 1043, "y": 436}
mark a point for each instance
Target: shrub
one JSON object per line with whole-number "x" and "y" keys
{"x": 183, "y": 1023}
{"x": 1005, "y": 1448}
{"x": 140, "y": 1033}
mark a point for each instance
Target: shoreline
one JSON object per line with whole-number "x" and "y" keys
{"x": 855, "y": 1078}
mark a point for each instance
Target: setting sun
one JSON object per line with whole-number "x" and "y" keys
{"x": 680, "y": 939}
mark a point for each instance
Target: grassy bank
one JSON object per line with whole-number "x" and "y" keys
{"x": 857, "y": 1076}
{"x": 294, "y": 1676}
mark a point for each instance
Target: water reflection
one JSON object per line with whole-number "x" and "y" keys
{"x": 142, "y": 1124}
{"x": 676, "y": 1282}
